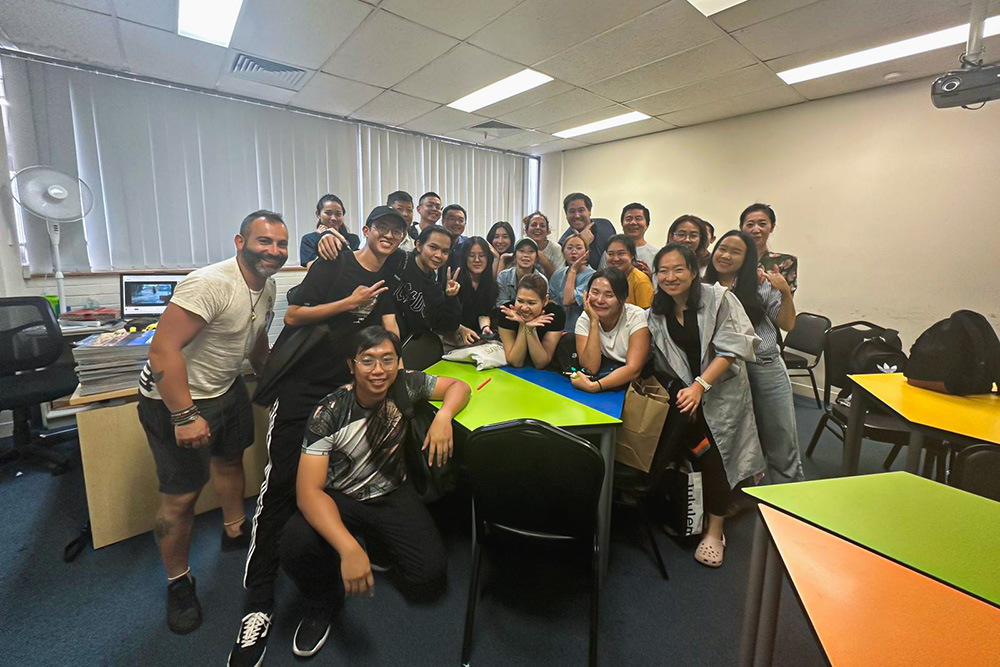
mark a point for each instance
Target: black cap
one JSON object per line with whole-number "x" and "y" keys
{"x": 385, "y": 212}
{"x": 526, "y": 241}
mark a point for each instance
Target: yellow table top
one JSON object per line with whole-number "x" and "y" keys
{"x": 976, "y": 417}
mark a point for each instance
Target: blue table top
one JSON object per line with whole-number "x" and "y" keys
{"x": 608, "y": 402}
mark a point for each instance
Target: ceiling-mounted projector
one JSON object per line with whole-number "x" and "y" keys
{"x": 965, "y": 87}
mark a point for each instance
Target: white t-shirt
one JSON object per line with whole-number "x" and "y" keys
{"x": 218, "y": 294}
{"x": 614, "y": 343}
{"x": 553, "y": 252}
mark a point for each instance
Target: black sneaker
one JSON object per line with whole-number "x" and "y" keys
{"x": 251, "y": 642}
{"x": 239, "y": 543}
{"x": 183, "y": 608}
{"x": 312, "y": 632}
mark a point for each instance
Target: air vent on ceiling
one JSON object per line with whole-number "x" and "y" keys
{"x": 267, "y": 72}
{"x": 494, "y": 125}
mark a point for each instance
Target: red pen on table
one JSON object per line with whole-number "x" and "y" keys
{"x": 484, "y": 384}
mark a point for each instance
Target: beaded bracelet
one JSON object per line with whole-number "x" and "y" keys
{"x": 185, "y": 416}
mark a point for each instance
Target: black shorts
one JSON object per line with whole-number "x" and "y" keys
{"x": 181, "y": 470}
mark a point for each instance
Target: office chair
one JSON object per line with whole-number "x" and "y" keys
{"x": 838, "y": 344}
{"x": 977, "y": 470}
{"x": 30, "y": 344}
{"x": 421, "y": 350}
{"x": 806, "y": 336}
{"x": 536, "y": 481}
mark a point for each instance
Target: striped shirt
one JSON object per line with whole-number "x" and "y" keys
{"x": 766, "y": 329}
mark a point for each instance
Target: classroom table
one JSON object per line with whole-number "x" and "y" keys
{"x": 938, "y": 531}
{"x": 118, "y": 470}
{"x": 963, "y": 419}
{"x": 506, "y": 397}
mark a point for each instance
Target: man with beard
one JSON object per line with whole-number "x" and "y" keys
{"x": 193, "y": 404}
{"x": 346, "y": 294}
{"x": 595, "y": 231}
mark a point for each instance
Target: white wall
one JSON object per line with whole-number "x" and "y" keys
{"x": 891, "y": 205}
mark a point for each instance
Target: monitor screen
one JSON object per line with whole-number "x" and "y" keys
{"x": 147, "y": 294}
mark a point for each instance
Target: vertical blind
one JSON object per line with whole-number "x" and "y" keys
{"x": 174, "y": 171}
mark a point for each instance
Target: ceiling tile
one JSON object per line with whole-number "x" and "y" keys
{"x": 254, "y": 90}
{"x": 443, "y": 119}
{"x": 533, "y": 96}
{"x": 386, "y": 49}
{"x": 554, "y": 146}
{"x": 832, "y": 21}
{"x": 458, "y": 18}
{"x": 538, "y": 29}
{"x": 702, "y": 62}
{"x": 584, "y": 118}
{"x": 101, "y": 6}
{"x": 915, "y": 67}
{"x": 457, "y": 73}
{"x": 334, "y": 95}
{"x": 395, "y": 109}
{"x": 518, "y": 140}
{"x": 61, "y": 31}
{"x": 748, "y": 13}
{"x": 468, "y": 136}
{"x": 165, "y": 55}
{"x": 567, "y": 105}
{"x": 156, "y": 13}
{"x": 730, "y": 84}
{"x": 303, "y": 33}
{"x": 760, "y": 100}
{"x": 668, "y": 29}
{"x": 648, "y": 126}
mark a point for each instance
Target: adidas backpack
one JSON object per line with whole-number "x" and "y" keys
{"x": 959, "y": 355}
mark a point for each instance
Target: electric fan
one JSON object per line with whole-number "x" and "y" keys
{"x": 57, "y": 198}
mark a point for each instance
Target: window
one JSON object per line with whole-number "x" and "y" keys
{"x": 18, "y": 219}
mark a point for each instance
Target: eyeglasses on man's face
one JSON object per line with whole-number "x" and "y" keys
{"x": 368, "y": 362}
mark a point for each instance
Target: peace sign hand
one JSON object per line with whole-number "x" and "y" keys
{"x": 580, "y": 264}
{"x": 777, "y": 280}
{"x": 364, "y": 294}
{"x": 587, "y": 233}
{"x": 451, "y": 286}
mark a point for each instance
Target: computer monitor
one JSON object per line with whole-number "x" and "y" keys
{"x": 144, "y": 295}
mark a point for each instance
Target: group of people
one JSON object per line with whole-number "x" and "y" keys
{"x": 335, "y": 499}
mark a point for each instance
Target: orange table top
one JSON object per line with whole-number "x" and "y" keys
{"x": 867, "y": 610}
{"x": 976, "y": 417}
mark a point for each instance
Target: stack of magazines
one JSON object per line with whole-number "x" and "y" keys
{"x": 111, "y": 361}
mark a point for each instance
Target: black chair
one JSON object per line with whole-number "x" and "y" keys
{"x": 634, "y": 488}
{"x": 536, "y": 481}
{"x": 977, "y": 470}
{"x": 838, "y": 344}
{"x": 30, "y": 344}
{"x": 806, "y": 336}
{"x": 421, "y": 350}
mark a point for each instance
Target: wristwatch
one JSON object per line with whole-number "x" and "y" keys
{"x": 705, "y": 385}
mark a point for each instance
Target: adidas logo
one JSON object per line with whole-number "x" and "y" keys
{"x": 886, "y": 368}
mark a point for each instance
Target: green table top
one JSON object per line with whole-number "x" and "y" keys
{"x": 938, "y": 530}
{"x": 508, "y": 397}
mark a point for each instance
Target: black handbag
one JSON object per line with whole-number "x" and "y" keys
{"x": 959, "y": 355}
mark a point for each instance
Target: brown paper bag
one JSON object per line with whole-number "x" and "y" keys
{"x": 643, "y": 416}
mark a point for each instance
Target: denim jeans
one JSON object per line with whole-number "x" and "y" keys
{"x": 775, "y": 413}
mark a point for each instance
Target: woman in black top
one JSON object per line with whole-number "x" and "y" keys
{"x": 531, "y": 325}
{"x": 478, "y": 292}
{"x": 330, "y": 212}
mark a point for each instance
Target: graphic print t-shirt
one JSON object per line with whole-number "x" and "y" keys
{"x": 364, "y": 445}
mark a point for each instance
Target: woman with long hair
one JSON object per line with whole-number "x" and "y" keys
{"x": 701, "y": 340}
{"x": 612, "y": 337}
{"x": 531, "y": 326}
{"x": 525, "y": 263}
{"x": 501, "y": 239}
{"x": 767, "y": 299}
{"x": 568, "y": 285}
{"x": 330, "y": 212}
{"x": 478, "y": 292}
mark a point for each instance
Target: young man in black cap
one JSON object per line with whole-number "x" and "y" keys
{"x": 347, "y": 294}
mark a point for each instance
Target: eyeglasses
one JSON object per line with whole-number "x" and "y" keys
{"x": 388, "y": 230}
{"x": 387, "y": 362}
{"x": 687, "y": 236}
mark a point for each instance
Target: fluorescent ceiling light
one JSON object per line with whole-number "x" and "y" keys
{"x": 514, "y": 84}
{"x": 211, "y": 21}
{"x": 880, "y": 54}
{"x": 605, "y": 124}
{"x": 709, "y": 7}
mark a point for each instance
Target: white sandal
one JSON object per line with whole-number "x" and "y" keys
{"x": 710, "y": 551}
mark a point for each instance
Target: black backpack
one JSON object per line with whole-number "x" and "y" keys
{"x": 959, "y": 355}
{"x": 878, "y": 354}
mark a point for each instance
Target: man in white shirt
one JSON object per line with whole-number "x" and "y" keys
{"x": 193, "y": 404}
